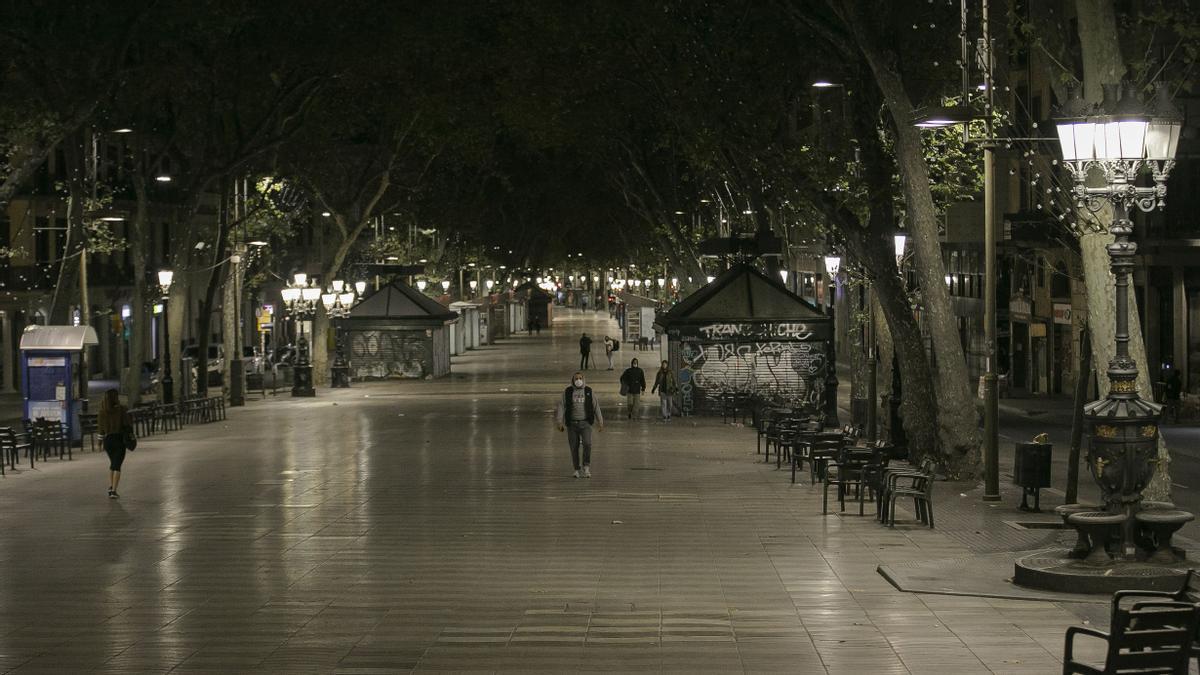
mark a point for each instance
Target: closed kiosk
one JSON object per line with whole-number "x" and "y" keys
{"x": 50, "y": 375}
{"x": 745, "y": 334}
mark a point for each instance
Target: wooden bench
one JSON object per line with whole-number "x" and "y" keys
{"x": 1189, "y": 592}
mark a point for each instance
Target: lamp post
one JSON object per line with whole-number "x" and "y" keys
{"x": 833, "y": 264}
{"x": 301, "y": 299}
{"x": 165, "y": 277}
{"x": 1121, "y": 145}
{"x": 338, "y": 300}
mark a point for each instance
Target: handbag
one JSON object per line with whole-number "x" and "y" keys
{"x": 624, "y": 388}
{"x": 129, "y": 438}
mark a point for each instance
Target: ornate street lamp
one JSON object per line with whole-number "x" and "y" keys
{"x": 301, "y": 300}
{"x": 421, "y": 284}
{"x": 338, "y": 302}
{"x": 1121, "y": 144}
{"x": 833, "y": 264}
{"x": 445, "y": 285}
{"x": 165, "y": 277}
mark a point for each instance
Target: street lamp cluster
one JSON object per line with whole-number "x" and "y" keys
{"x": 301, "y": 297}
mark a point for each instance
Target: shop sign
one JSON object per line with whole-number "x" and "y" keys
{"x": 1020, "y": 308}
{"x": 1062, "y": 313}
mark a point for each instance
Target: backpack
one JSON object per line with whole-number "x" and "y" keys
{"x": 616, "y": 345}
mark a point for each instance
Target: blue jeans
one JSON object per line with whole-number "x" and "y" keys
{"x": 666, "y": 402}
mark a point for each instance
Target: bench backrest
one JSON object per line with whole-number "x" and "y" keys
{"x": 1152, "y": 637}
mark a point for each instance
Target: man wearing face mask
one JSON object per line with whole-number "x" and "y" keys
{"x": 576, "y": 412}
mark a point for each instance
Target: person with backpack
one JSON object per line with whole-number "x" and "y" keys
{"x": 666, "y": 385}
{"x": 610, "y": 346}
{"x": 576, "y": 412}
{"x": 633, "y": 383}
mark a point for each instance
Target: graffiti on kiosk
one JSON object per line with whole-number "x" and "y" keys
{"x": 387, "y": 354}
{"x": 787, "y": 331}
{"x": 769, "y": 368}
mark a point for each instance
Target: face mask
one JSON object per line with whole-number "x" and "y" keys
{"x": 578, "y": 383}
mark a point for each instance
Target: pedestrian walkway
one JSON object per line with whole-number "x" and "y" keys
{"x": 431, "y": 526}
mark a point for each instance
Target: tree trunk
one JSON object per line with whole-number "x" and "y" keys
{"x": 216, "y": 277}
{"x": 1103, "y": 64}
{"x": 957, "y": 425}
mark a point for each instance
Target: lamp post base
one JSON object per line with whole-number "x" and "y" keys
{"x": 302, "y": 382}
{"x": 168, "y": 389}
{"x": 341, "y": 377}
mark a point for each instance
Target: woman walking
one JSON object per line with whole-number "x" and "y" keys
{"x": 116, "y": 427}
{"x": 666, "y": 385}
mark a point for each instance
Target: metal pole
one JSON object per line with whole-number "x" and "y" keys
{"x": 168, "y": 383}
{"x": 991, "y": 432}
{"x": 991, "y": 412}
{"x": 872, "y": 385}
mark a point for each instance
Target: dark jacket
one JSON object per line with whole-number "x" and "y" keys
{"x": 585, "y": 344}
{"x": 665, "y": 382}
{"x": 634, "y": 379}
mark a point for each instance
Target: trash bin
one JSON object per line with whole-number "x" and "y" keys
{"x": 1031, "y": 471}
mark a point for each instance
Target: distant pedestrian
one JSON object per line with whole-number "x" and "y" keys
{"x": 608, "y": 350}
{"x": 537, "y": 325}
{"x": 585, "y": 351}
{"x": 116, "y": 428}
{"x": 633, "y": 383}
{"x": 577, "y": 411}
{"x": 666, "y": 385}
{"x": 583, "y": 302}
{"x": 1172, "y": 387}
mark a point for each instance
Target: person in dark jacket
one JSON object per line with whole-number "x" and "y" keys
{"x": 585, "y": 351}
{"x": 576, "y": 412}
{"x": 666, "y": 385}
{"x": 114, "y": 424}
{"x": 633, "y": 381}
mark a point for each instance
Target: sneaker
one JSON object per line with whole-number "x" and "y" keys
{"x": 112, "y": 494}
{"x": 577, "y": 473}
{"x": 587, "y": 472}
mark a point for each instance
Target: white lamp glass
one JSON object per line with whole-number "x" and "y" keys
{"x": 900, "y": 240}
{"x": 784, "y": 275}
{"x": 360, "y": 287}
{"x": 489, "y": 284}
{"x": 711, "y": 279}
{"x": 346, "y": 299}
{"x": 165, "y": 277}
{"x": 661, "y": 282}
{"x": 1162, "y": 139}
{"x": 328, "y": 299}
{"x": 300, "y": 279}
{"x": 445, "y": 284}
{"x": 675, "y": 282}
{"x": 421, "y": 284}
{"x": 310, "y": 293}
{"x": 833, "y": 263}
{"x": 290, "y": 294}
{"x": 473, "y": 284}
{"x": 1066, "y": 139}
{"x": 1084, "y": 132}
{"x": 1133, "y": 138}
{"x": 338, "y": 286}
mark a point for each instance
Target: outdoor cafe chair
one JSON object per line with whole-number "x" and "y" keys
{"x": 1150, "y": 637}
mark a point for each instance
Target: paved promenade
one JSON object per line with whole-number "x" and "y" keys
{"x": 435, "y": 526}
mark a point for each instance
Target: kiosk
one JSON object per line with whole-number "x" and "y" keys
{"x": 50, "y": 374}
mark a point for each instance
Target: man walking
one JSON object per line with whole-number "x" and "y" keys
{"x": 576, "y": 412}
{"x": 608, "y": 350}
{"x": 633, "y": 382}
{"x": 666, "y": 385}
{"x": 585, "y": 350}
